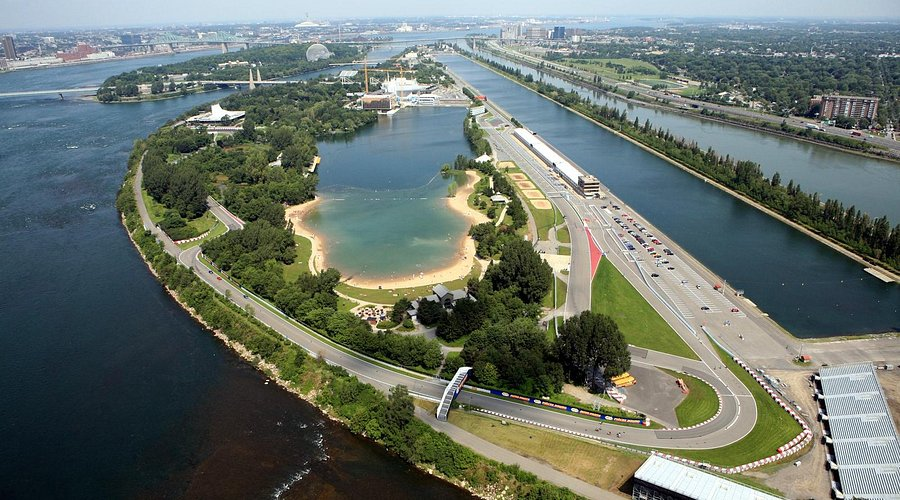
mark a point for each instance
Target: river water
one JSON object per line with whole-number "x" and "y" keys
{"x": 809, "y": 289}
{"x": 107, "y": 387}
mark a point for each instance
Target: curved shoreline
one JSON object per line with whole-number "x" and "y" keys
{"x": 834, "y": 245}
{"x": 456, "y": 270}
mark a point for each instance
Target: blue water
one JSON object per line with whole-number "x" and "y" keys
{"x": 108, "y": 389}
{"x": 385, "y": 212}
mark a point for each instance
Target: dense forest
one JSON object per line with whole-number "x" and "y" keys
{"x": 872, "y": 238}
{"x": 273, "y": 62}
{"x": 782, "y": 66}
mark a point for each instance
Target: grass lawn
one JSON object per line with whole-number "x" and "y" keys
{"x": 699, "y": 405}
{"x": 774, "y": 427}
{"x": 563, "y": 236}
{"x": 613, "y": 295}
{"x": 596, "y": 464}
{"x": 344, "y": 304}
{"x": 667, "y": 84}
{"x": 560, "y": 295}
{"x": 690, "y": 91}
{"x": 301, "y": 263}
{"x": 565, "y": 250}
{"x": 598, "y": 66}
{"x": 156, "y": 210}
{"x": 389, "y": 296}
{"x": 544, "y": 219}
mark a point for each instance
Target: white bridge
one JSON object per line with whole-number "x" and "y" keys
{"x": 452, "y": 391}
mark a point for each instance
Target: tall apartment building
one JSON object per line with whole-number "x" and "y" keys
{"x": 536, "y": 33}
{"x": 511, "y": 32}
{"x": 845, "y": 105}
{"x": 559, "y": 33}
{"x": 9, "y": 47}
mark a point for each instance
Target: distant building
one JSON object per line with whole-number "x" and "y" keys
{"x": 130, "y": 39}
{"x": 216, "y": 116}
{"x": 659, "y": 479}
{"x": 844, "y": 105}
{"x": 9, "y": 47}
{"x": 77, "y": 53}
{"x": 559, "y": 33}
{"x": 536, "y": 33}
{"x": 511, "y": 32}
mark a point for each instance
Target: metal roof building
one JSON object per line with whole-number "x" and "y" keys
{"x": 659, "y": 478}
{"x": 861, "y": 433}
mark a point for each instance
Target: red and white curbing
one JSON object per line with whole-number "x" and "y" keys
{"x": 189, "y": 240}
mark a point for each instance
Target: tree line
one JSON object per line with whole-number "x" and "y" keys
{"x": 273, "y": 62}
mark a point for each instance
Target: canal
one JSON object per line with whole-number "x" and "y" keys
{"x": 869, "y": 183}
{"x": 811, "y": 290}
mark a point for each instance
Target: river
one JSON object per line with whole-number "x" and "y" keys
{"x": 107, "y": 387}
{"x": 811, "y": 290}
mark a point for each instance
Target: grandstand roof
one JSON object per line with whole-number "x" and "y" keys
{"x": 694, "y": 483}
{"x": 864, "y": 439}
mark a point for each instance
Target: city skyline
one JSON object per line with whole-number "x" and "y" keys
{"x": 56, "y": 14}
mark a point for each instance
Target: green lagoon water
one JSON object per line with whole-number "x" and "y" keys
{"x": 384, "y": 211}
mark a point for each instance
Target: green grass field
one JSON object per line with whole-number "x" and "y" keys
{"x": 565, "y": 250}
{"x": 156, "y": 210}
{"x": 544, "y": 219}
{"x": 598, "y": 66}
{"x": 689, "y": 91}
{"x": 700, "y": 404}
{"x": 596, "y": 464}
{"x": 774, "y": 427}
{"x": 669, "y": 85}
{"x": 560, "y": 295}
{"x": 613, "y": 295}
{"x": 218, "y": 229}
{"x": 301, "y": 263}
{"x": 563, "y": 236}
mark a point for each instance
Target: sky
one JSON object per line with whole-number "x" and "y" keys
{"x": 20, "y": 15}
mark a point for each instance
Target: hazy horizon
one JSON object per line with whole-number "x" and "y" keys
{"x": 22, "y": 15}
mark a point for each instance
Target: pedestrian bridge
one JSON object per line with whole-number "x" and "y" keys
{"x": 452, "y": 391}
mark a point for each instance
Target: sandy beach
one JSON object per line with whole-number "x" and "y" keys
{"x": 458, "y": 269}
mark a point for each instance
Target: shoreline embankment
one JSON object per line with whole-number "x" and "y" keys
{"x": 464, "y": 256}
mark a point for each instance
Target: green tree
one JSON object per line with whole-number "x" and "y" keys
{"x": 591, "y": 346}
{"x": 398, "y": 313}
{"x": 521, "y": 267}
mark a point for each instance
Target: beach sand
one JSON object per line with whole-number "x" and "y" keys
{"x": 458, "y": 269}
